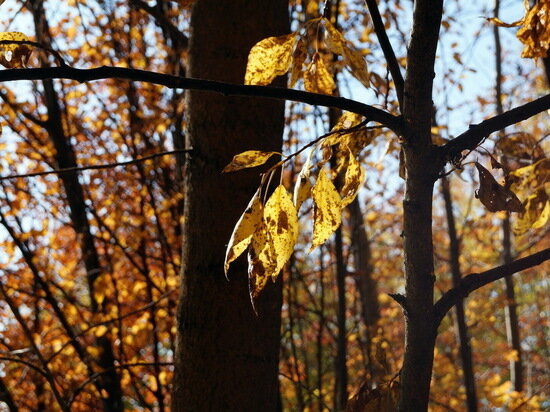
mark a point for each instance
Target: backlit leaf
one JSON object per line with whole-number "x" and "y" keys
{"x": 535, "y": 32}
{"x": 353, "y": 179}
{"x": 241, "y": 237}
{"x": 14, "y": 56}
{"x": 495, "y": 197}
{"x": 317, "y": 78}
{"x": 327, "y": 211}
{"x": 273, "y": 244}
{"x": 250, "y": 158}
{"x": 269, "y": 58}
{"x": 353, "y": 59}
{"x": 298, "y": 59}
{"x": 302, "y": 188}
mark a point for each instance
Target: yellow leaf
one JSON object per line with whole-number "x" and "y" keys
{"x": 355, "y": 140}
{"x": 317, "y": 78}
{"x": 298, "y": 59}
{"x": 100, "y": 331}
{"x": 302, "y": 188}
{"x": 270, "y": 58}
{"x": 535, "y": 32}
{"x": 14, "y": 56}
{"x": 273, "y": 245}
{"x": 357, "y": 64}
{"x": 353, "y": 59}
{"x": 241, "y": 237}
{"x": 327, "y": 211}
{"x": 353, "y": 179}
{"x": 335, "y": 41}
{"x": 250, "y": 158}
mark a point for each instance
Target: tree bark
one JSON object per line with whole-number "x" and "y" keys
{"x": 461, "y": 327}
{"x": 226, "y": 356}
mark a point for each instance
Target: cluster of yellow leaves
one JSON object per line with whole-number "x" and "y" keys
{"x": 13, "y": 55}
{"x": 534, "y": 32}
{"x": 276, "y": 56}
{"x": 269, "y": 231}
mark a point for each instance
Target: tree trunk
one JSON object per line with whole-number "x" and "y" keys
{"x": 226, "y": 356}
{"x": 462, "y": 327}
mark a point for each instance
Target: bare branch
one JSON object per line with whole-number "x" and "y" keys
{"x": 470, "y": 139}
{"x": 372, "y": 113}
{"x": 96, "y": 167}
{"x": 387, "y": 48}
{"x": 477, "y": 280}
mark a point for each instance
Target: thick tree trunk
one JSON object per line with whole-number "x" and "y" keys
{"x": 422, "y": 166}
{"x": 226, "y": 355}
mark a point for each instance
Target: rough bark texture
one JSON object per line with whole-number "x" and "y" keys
{"x": 226, "y": 356}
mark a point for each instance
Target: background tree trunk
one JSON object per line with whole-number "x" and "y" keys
{"x": 227, "y": 356}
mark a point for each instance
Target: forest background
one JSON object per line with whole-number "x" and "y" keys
{"x": 91, "y": 255}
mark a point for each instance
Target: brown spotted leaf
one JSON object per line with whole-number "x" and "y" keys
{"x": 327, "y": 212}
{"x": 14, "y": 56}
{"x": 269, "y": 58}
{"x": 250, "y": 158}
{"x": 298, "y": 59}
{"x": 317, "y": 78}
{"x": 274, "y": 244}
{"x": 247, "y": 225}
{"x": 353, "y": 179}
{"x": 495, "y": 197}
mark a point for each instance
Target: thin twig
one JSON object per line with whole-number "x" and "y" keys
{"x": 96, "y": 167}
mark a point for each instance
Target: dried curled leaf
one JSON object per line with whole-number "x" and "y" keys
{"x": 495, "y": 197}
{"x": 327, "y": 211}
{"x": 302, "y": 188}
{"x": 535, "y": 32}
{"x": 246, "y": 226}
{"x": 353, "y": 179}
{"x": 269, "y": 58}
{"x": 14, "y": 56}
{"x": 317, "y": 78}
{"x": 273, "y": 244}
{"x": 250, "y": 158}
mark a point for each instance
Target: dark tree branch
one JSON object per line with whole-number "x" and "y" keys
{"x": 389, "y": 120}
{"x": 470, "y": 139}
{"x": 387, "y": 48}
{"x": 477, "y": 280}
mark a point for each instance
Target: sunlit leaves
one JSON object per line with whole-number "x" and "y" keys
{"x": 13, "y": 55}
{"x": 273, "y": 241}
{"x": 250, "y": 158}
{"x": 534, "y": 181}
{"x": 275, "y": 56}
{"x": 247, "y": 225}
{"x": 495, "y": 197}
{"x": 327, "y": 214}
{"x": 534, "y": 32}
{"x": 270, "y": 58}
{"x": 353, "y": 179}
{"x": 317, "y": 78}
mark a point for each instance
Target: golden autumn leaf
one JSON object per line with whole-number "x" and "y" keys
{"x": 535, "y": 32}
{"x": 250, "y": 158}
{"x": 273, "y": 244}
{"x": 355, "y": 140}
{"x": 353, "y": 179}
{"x": 317, "y": 78}
{"x": 14, "y": 56}
{"x": 247, "y": 224}
{"x": 269, "y": 58}
{"x": 353, "y": 59}
{"x": 298, "y": 59}
{"x": 302, "y": 188}
{"x": 327, "y": 211}
{"x": 495, "y": 197}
